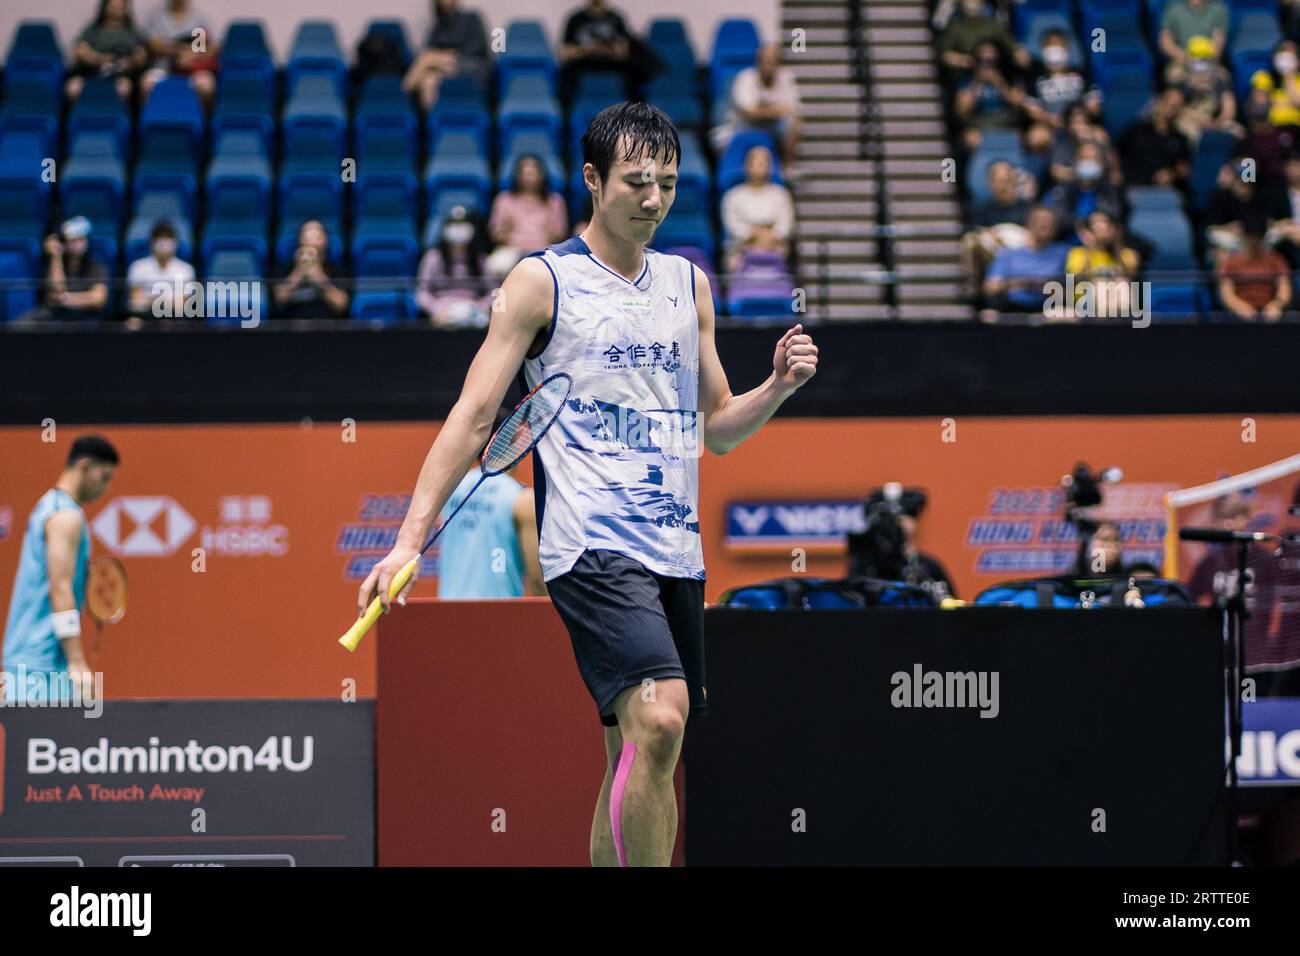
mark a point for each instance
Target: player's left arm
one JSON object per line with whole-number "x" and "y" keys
{"x": 727, "y": 420}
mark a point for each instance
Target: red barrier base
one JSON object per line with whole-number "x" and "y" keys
{"x": 489, "y": 751}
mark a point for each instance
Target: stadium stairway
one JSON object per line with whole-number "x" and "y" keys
{"x": 904, "y": 113}
{"x": 836, "y": 200}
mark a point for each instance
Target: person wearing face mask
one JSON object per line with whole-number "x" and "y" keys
{"x": 452, "y": 288}
{"x": 963, "y": 35}
{"x": 1282, "y": 86}
{"x": 1265, "y": 143}
{"x": 1153, "y": 152}
{"x": 1208, "y": 89}
{"x": 76, "y": 281}
{"x": 148, "y": 276}
{"x": 1058, "y": 86}
{"x": 1088, "y": 191}
{"x": 1079, "y": 128}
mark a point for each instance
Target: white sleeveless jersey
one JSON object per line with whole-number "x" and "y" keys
{"x": 619, "y": 468}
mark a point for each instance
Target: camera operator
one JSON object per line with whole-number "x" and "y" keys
{"x": 886, "y": 547}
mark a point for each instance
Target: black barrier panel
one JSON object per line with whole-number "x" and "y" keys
{"x": 189, "y": 783}
{"x": 1104, "y": 717}
{"x": 282, "y": 373}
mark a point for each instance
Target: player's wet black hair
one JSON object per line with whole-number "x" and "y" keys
{"x": 95, "y": 447}
{"x": 647, "y": 129}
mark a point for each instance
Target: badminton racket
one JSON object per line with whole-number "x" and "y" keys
{"x": 517, "y": 436}
{"x": 105, "y": 597}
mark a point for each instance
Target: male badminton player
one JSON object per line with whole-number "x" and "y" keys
{"x": 616, "y": 476}
{"x": 43, "y": 633}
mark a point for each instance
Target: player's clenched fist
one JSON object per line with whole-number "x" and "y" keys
{"x": 795, "y": 360}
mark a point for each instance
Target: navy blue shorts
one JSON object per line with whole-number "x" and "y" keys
{"x": 628, "y": 624}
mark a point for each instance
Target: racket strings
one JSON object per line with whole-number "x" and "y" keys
{"x": 526, "y": 425}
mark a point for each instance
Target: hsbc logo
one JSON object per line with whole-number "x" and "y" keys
{"x": 145, "y": 527}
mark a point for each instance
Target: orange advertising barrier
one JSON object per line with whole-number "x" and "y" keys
{"x": 244, "y": 545}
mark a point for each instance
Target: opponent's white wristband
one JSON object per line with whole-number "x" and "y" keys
{"x": 66, "y": 624}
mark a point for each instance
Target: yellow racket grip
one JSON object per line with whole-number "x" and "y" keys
{"x": 352, "y": 638}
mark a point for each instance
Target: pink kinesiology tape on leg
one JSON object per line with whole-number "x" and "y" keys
{"x": 621, "y": 773}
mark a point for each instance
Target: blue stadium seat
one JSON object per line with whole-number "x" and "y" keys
{"x": 1170, "y": 234}
{"x": 1212, "y": 152}
{"x": 384, "y": 305}
{"x": 227, "y": 305}
{"x": 458, "y": 172}
{"x": 173, "y": 107}
{"x": 35, "y": 58}
{"x": 235, "y": 235}
{"x": 527, "y": 50}
{"x": 538, "y": 144}
{"x": 93, "y": 182}
{"x": 24, "y": 191}
{"x": 1154, "y": 197}
{"x": 244, "y": 102}
{"x": 316, "y": 52}
{"x": 240, "y": 175}
{"x": 17, "y": 285}
{"x": 100, "y": 108}
{"x": 1240, "y": 10}
{"x": 669, "y": 38}
{"x": 1025, "y": 10}
{"x": 735, "y": 44}
{"x": 245, "y": 48}
{"x": 31, "y": 105}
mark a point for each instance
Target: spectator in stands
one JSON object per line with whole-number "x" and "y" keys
{"x": 1153, "y": 152}
{"x": 457, "y": 44}
{"x": 758, "y": 214}
{"x": 999, "y": 223}
{"x": 452, "y": 288}
{"x": 308, "y": 291}
{"x": 1105, "y": 263}
{"x": 1079, "y": 129}
{"x": 597, "y": 40}
{"x": 76, "y": 281}
{"x": 148, "y": 277}
{"x": 1283, "y": 88}
{"x": 764, "y": 96}
{"x": 989, "y": 100}
{"x": 179, "y": 41}
{"x": 378, "y": 54}
{"x": 1236, "y": 197}
{"x": 1184, "y": 20}
{"x": 1058, "y": 86}
{"x": 1207, "y": 86}
{"x": 1264, "y": 143}
{"x": 1087, "y": 190}
{"x": 962, "y": 37}
{"x": 111, "y": 46}
{"x": 525, "y": 218}
{"x": 1255, "y": 282}
{"x": 1016, "y": 277}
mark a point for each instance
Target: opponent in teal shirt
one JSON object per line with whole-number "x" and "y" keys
{"x": 42, "y": 638}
